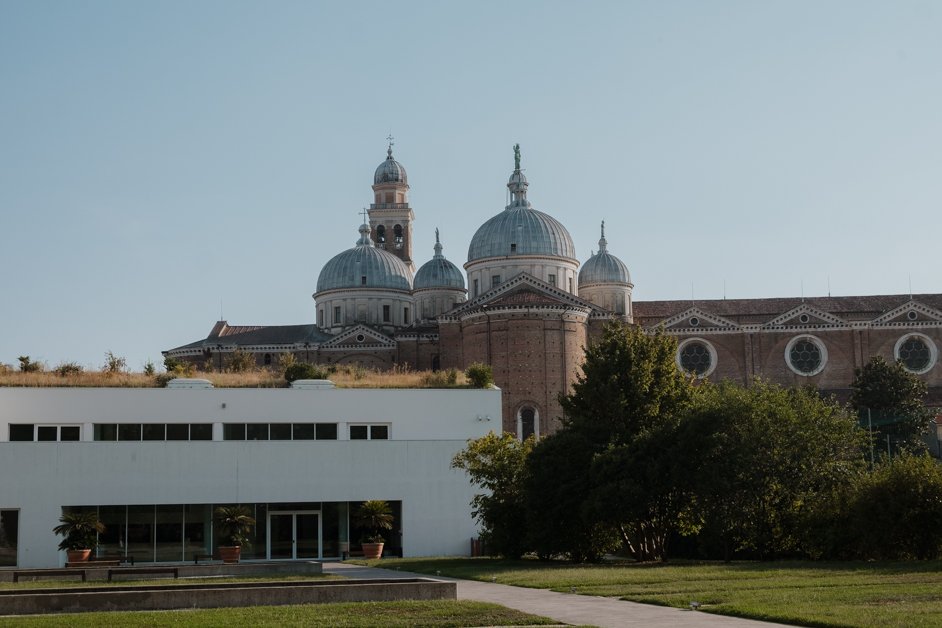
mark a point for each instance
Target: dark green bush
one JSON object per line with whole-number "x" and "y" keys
{"x": 303, "y": 370}
{"x": 479, "y": 375}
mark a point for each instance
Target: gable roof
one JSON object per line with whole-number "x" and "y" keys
{"x": 523, "y": 290}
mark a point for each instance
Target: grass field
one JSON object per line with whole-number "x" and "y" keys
{"x": 356, "y": 615}
{"x": 802, "y": 593}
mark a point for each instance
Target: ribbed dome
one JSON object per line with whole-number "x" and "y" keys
{"x": 380, "y": 268}
{"x": 603, "y": 267}
{"x": 520, "y": 229}
{"x": 532, "y": 231}
{"x": 390, "y": 171}
{"x": 438, "y": 272}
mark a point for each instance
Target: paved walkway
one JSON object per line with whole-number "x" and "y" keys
{"x": 604, "y": 612}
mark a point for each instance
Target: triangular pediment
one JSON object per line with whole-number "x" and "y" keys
{"x": 359, "y": 337}
{"x": 909, "y": 313}
{"x": 523, "y": 290}
{"x": 806, "y": 316}
{"x": 696, "y": 318}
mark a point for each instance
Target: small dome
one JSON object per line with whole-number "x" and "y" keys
{"x": 390, "y": 171}
{"x": 520, "y": 229}
{"x": 364, "y": 266}
{"x": 438, "y": 272}
{"x": 603, "y": 267}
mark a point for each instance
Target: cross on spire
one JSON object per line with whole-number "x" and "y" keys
{"x": 390, "y": 138}
{"x": 364, "y": 212}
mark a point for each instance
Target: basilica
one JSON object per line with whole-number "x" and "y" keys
{"x": 527, "y": 306}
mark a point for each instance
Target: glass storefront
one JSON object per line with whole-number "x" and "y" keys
{"x": 175, "y": 533}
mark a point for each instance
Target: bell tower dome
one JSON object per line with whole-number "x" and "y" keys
{"x": 391, "y": 217}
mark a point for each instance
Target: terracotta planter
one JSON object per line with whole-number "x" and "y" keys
{"x": 230, "y": 555}
{"x": 78, "y": 555}
{"x": 372, "y": 551}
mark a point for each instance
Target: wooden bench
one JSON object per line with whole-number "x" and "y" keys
{"x": 204, "y": 557}
{"x": 50, "y": 573}
{"x": 91, "y": 564}
{"x": 142, "y": 571}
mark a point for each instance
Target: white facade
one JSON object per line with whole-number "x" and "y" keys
{"x": 409, "y": 468}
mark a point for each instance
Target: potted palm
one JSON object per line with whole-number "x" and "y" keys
{"x": 80, "y": 532}
{"x": 234, "y": 524}
{"x": 374, "y": 515}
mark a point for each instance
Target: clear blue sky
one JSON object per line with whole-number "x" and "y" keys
{"x": 159, "y": 159}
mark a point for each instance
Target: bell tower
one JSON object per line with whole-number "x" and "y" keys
{"x": 391, "y": 217}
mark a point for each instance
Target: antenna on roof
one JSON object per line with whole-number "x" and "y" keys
{"x": 724, "y": 289}
{"x": 829, "y": 285}
{"x": 221, "y": 317}
{"x": 910, "y": 286}
{"x": 692, "y": 299}
{"x": 802, "y": 290}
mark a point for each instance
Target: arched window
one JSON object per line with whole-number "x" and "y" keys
{"x": 397, "y": 230}
{"x": 436, "y": 363}
{"x": 381, "y": 234}
{"x": 528, "y": 423}
{"x": 267, "y": 359}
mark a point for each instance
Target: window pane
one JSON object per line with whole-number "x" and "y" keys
{"x": 233, "y": 431}
{"x": 178, "y": 431}
{"x": 106, "y": 431}
{"x": 358, "y": 432}
{"x": 201, "y": 431}
{"x": 326, "y": 431}
{"x": 47, "y": 433}
{"x": 379, "y": 432}
{"x": 129, "y": 431}
{"x": 304, "y": 431}
{"x": 256, "y": 431}
{"x": 21, "y": 432}
{"x": 155, "y": 431}
{"x": 281, "y": 431}
{"x": 168, "y": 533}
{"x": 70, "y": 433}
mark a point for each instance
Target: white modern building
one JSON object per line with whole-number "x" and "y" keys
{"x": 155, "y": 462}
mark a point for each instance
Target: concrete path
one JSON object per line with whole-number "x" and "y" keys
{"x": 604, "y": 612}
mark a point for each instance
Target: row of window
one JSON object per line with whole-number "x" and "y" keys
{"x": 496, "y": 281}
{"x": 806, "y": 355}
{"x": 195, "y": 431}
{"x": 338, "y": 318}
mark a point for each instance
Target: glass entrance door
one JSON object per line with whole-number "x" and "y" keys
{"x": 294, "y": 535}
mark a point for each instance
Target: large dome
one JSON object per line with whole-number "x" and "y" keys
{"x": 438, "y": 272}
{"x": 521, "y": 231}
{"x": 603, "y": 267}
{"x": 390, "y": 171}
{"x": 364, "y": 266}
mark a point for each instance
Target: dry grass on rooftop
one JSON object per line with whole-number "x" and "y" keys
{"x": 343, "y": 377}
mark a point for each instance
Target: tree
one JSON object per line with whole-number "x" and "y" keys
{"x": 626, "y": 403}
{"x": 374, "y": 515}
{"x": 28, "y": 366}
{"x": 891, "y": 400}
{"x": 761, "y": 461}
{"x": 896, "y": 511}
{"x": 234, "y": 524}
{"x": 114, "y": 364}
{"x": 303, "y": 370}
{"x": 240, "y": 361}
{"x": 555, "y": 488}
{"x": 479, "y": 375}
{"x": 498, "y": 465}
{"x": 628, "y": 384}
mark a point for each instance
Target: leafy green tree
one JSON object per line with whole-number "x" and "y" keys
{"x": 628, "y": 384}
{"x": 625, "y": 404}
{"x": 761, "y": 460}
{"x": 891, "y": 400}
{"x": 555, "y": 487}
{"x": 637, "y": 491}
{"x": 896, "y": 511}
{"x": 498, "y": 465}
{"x": 303, "y": 370}
{"x": 234, "y": 525}
{"x": 374, "y": 515}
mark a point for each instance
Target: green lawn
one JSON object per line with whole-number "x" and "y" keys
{"x": 803, "y": 593}
{"x": 356, "y": 615}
